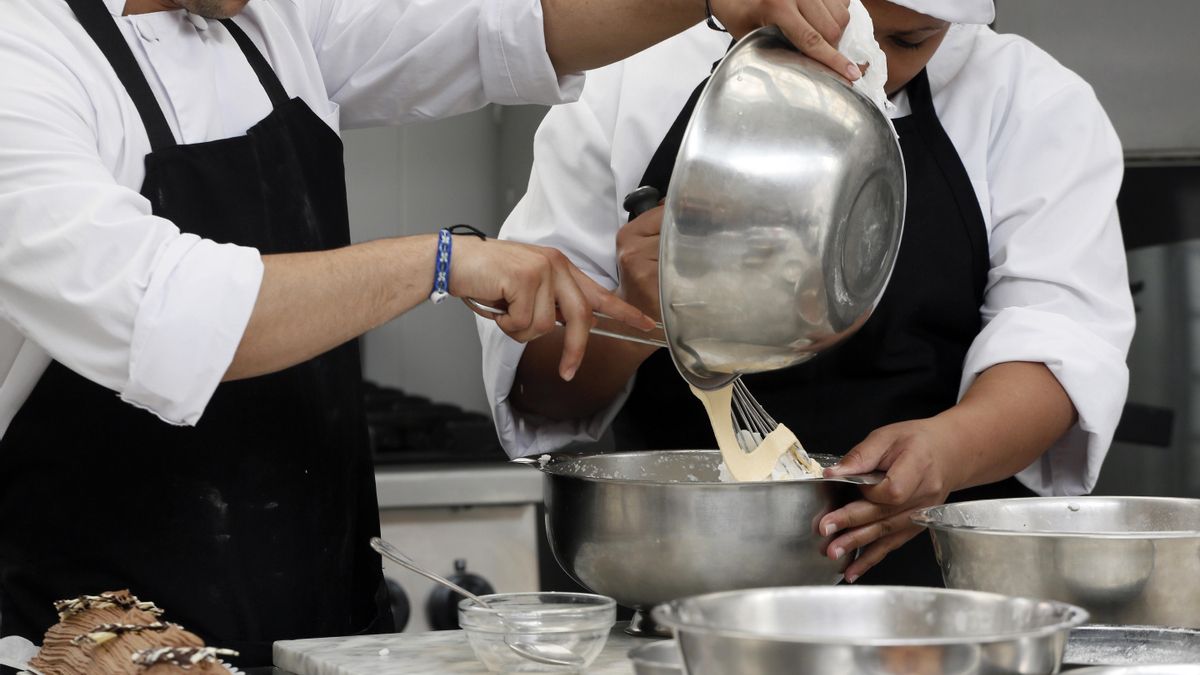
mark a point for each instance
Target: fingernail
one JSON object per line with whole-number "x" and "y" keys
{"x": 853, "y": 72}
{"x": 838, "y": 552}
{"x": 830, "y": 528}
{"x": 851, "y": 578}
{"x": 569, "y": 375}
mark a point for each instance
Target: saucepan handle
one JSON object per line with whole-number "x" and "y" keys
{"x": 611, "y": 327}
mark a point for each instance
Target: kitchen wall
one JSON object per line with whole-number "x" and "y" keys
{"x": 468, "y": 169}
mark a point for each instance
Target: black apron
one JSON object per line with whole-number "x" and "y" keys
{"x": 904, "y": 363}
{"x": 253, "y": 525}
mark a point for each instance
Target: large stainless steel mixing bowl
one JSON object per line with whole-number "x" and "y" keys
{"x": 783, "y": 217}
{"x": 648, "y": 527}
{"x": 869, "y": 630}
{"x": 1128, "y": 560}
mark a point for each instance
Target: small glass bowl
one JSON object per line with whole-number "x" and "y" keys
{"x": 579, "y": 622}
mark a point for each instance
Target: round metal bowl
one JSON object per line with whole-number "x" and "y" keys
{"x": 1128, "y": 560}
{"x": 1177, "y": 669}
{"x": 877, "y": 630}
{"x": 648, "y": 527}
{"x": 783, "y": 217}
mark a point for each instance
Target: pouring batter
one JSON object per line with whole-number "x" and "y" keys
{"x": 994, "y": 364}
{"x": 779, "y": 455}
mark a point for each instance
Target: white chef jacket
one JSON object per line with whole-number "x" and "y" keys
{"x": 88, "y": 276}
{"x": 1042, "y": 157}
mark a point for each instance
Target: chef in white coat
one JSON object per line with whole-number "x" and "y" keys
{"x": 180, "y": 404}
{"x": 998, "y": 349}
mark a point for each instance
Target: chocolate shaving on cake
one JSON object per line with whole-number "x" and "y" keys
{"x": 107, "y": 631}
{"x": 184, "y": 657}
{"x": 122, "y": 599}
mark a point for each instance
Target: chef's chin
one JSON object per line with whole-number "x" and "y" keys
{"x": 214, "y": 9}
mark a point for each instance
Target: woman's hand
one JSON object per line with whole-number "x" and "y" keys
{"x": 637, "y": 261}
{"x": 919, "y": 457}
{"x": 973, "y": 443}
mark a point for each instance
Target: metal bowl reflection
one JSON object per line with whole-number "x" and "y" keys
{"x": 1127, "y": 560}
{"x": 884, "y": 630}
{"x": 783, "y": 217}
{"x": 649, "y": 527}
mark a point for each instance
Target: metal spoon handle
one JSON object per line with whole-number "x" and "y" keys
{"x": 595, "y": 330}
{"x": 392, "y": 553}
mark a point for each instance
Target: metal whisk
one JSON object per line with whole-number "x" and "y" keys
{"x": 750, "y": 420}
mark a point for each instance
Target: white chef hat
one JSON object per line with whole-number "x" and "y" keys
{"x": 954, "y": 11}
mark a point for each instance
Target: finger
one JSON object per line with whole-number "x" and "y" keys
{"x": 821, "y": 18}
{"x": 840, "y": 11}
{"x": 640, "y": 252}
{"x": 481, "y": 312}
{"x": 577, "y": 320}
{"x": 647, "y": 224}
{"x": 876, "y": 552}
{"x": 809, "y": 41}
{"x": 541, "y": 314}
{"x": 520, "y": 291}
{"x": 855, "y": 514}
{"x": 861, "y": 537}
{"x": 904, "y": 477}
{"x": 605, "y": 302}
{"x": 865, "y": 457}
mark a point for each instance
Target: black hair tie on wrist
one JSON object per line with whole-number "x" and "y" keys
{"x": 712, "y": 20}
{"x": 466, "y": 229}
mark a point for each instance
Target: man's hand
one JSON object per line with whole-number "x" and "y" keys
{"x": 637, "y": 261}
{"x": 538, "y": 286}
{"x": 918, "y": 457}
{"x": 813, "y": 26}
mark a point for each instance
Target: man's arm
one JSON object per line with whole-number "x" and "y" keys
{"x": 586, "y": 34}
{"x": 309, "y": 303}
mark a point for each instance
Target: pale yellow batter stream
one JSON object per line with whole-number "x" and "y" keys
{"x": 761, "y": 462}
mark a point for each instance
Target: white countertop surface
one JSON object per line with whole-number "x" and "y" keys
{"x": 423, "y": 486}
{"x": 419, "y": 654}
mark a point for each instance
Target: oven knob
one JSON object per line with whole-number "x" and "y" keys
{"x": 442, "y": 607}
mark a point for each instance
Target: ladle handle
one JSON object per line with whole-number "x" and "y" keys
{"x": 596, "y": 330}
{"x": 392, "y": 553}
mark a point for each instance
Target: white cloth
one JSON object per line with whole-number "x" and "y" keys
{"x": 1045, "y": 165}
{"x": 858, "y": 44}
{"x": 87, "y": 276}
{"x": 954, "y": 11}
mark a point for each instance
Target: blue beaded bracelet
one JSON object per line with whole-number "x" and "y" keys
{"x": 441, "y": 266}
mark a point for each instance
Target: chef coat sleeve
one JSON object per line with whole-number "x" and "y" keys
{"x": 392, "y": 61}
{"x": 87, "y": 273}
{"x": 569, "y": 205}
{"x": 1058, "y": 289}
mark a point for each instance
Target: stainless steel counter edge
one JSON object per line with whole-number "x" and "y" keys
{"x": 457, "y": 485}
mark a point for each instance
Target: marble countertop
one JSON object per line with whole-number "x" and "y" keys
{"x": 419, "y": 654}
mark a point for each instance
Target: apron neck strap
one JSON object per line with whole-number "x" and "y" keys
{"x": 266, "y": 74}
{"x": 919, "y": 96}
{"x": 95, "y": 18}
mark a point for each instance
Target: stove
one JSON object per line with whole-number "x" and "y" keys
{"x": 410, "y": 429}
